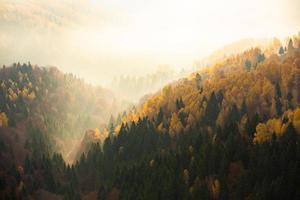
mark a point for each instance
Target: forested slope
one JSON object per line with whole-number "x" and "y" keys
{"x": 229, "y": 131}
{"x": 42, "y": 109}
{"x": 248, "y": 83}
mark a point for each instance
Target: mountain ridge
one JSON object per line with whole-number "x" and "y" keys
{"x": 215, "y": 134}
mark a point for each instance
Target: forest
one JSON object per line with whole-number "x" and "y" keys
{"x": 227, "y": 131}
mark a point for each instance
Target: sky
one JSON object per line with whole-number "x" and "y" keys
{"x": 100, "y": 39}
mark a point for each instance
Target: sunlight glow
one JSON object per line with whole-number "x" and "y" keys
{"x": 136, "y": 36}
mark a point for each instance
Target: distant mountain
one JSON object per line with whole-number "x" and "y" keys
{"x": 134, "y": 88}
{"x": 267, "y": 45}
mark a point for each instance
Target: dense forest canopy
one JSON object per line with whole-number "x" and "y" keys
{"x": 264, "y": 82}
{"x": 60, "y": 105}
{"x": 227, "y": 131}
{"x": 149, "y": 100}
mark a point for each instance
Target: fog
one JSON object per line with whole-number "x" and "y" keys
{"x": 101, "y": 40}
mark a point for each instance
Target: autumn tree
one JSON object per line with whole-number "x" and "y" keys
{"x": 3, "y": 120}
{"x": 175, "y": 125}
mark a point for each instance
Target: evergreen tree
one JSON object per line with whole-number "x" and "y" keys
{"x": 248, "y": 64}
{"x": 281, "y": 51}
{"x": 212, "y": 110}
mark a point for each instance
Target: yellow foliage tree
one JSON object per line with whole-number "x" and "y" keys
{"x": 3, "y": 120}
{"x": 264, "y": 131}
{"x": 175, "y": 125}
{"x": 274, "y": 126}
{"x": 161, "y": 128}
{"x": 31, "y": 96}
{"x": 216, "y": 186}
{"x": 237, "y": 84}
{"x": 296, "y": 120}
{"x": 262, "y": 134}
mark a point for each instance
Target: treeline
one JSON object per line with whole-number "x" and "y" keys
{"x": 60, "y": 106}
{"x": 230, "y": 131}
{"x": 261, "y": 87}
{"x": 142, "y": 163}
{"x": 134, "y": 87}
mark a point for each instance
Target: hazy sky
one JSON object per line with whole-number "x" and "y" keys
{"x": 98, "y": 39}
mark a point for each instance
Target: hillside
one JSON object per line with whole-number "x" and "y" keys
{"x": 43, "y": 109}
{"x": 229, "y": 131}
{"x": 237, "y": 47}
{"x": 248, "y": 82}
{"x": 149, "y": 100}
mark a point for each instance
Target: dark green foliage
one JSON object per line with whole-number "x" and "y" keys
{"x": 248, "y": 64}
{"x": 243, "y": 109}
{"x": 160, "y": 116}
{"x": 233, "y": 115}
{"x": 38, "y": 142}
{"x": 260, "y": 58}
{"x": 141, "y": 163}
{"x": 278, "y": 103}
{"x": 289, "y": 98}
{"x": 278, "y": 90}
{"x": 281, "y": 51}
{"x": 212, "y": 110}
{"x": 198, "y": 80}
{"x": 179, "y": 104}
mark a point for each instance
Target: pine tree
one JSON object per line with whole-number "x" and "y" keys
{"x": 281, "y": 51}
{"x": 248, "y": 64}
{"x": 212, "y": 110}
